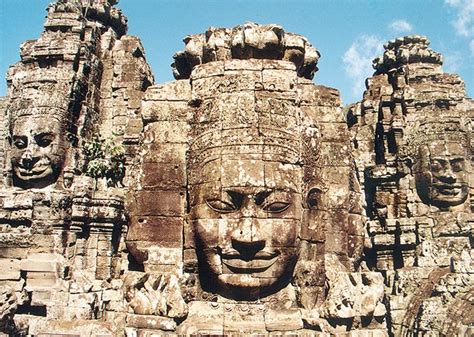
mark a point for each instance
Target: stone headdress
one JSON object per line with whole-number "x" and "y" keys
{"x": 245, "y": 105}
{"x": 248, "y": 41}
{"x": 442, "y": 128}
{"x": 54, "y": 102}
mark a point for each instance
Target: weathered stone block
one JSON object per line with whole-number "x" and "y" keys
{"x": 283, "y": 320}
{"x": 165, "y": 256}
{"x": 333, "y": 132}
{"x": 165, "y": 231}
{"x": 314, "y": 224}
{"x": 336, "y": 242}
{"x": 207, "y": 87}
{"x": 10, "y": 269}
{"x": 208, "y": 69}
{"x": 248, "y": 318}
{"x": 165, "y": 153}
{"x": 239, "y": 65}
{"x": 165, "y": 203}
{"x": 42, "y": 297}
{"x": 324, "y": 114}
{"x": 320, "y": 95}
{"x": 203, "y": 317}
{"x": 151, "y": 322}
{"x": 179, "y": 90}
{"x": 163, "y": 176}
{"x": 112, "y": 295}
{"x": 335, "y": 154}
{"x": 166, "y": 132}
{"x": 39, "y": 266}
{"x": 39, "y": 280}
{"x": 156, "y": 111}
{"x": 278, "y": 79}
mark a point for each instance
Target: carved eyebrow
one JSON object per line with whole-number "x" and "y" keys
{"x": 260, "y": 197}
{"x": 236, "y": 197}
{"x": 440, "y": 159}
{"x": 44, "y": 134}
{"x": 23, "y": 139}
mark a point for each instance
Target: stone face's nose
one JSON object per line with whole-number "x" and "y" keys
{"x": 447, "y": 175}
{"x": 27, "y": 160}
{"x": 244, "y": 231}
{"x": 248, "y": 249}
{"x": 245, "y": 239}
{"x": 249, "y": 209}
{"x": 26, "y": 154}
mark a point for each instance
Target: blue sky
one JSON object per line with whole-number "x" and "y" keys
{"x": 348, "y": 33}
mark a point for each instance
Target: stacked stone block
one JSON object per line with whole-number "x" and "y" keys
{"x": 241, "y": 206}
{"x": 419, "y": 232}
{"x": 70, "y": 229}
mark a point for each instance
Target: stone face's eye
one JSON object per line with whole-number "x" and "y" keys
{"x": 221, "y": 206}
{"x": 20, "y": 142}
{"x": 276, "y": 207}
{"x": 457, "y": 165}
{"x": 44, "y": 140}
{"x": 436, "y": 166}
{"x": 314, "y": 198}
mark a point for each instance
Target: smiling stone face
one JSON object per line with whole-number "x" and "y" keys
{"x": 38, "y": 152}
{"x": 250, "y": 147}
{"x": 246, "y": 218}
{"x": 443, "y": 173}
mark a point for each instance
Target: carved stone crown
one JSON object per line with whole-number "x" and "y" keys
{"x": 452, "y": 130}
{"x": 97, "y": 10}
{"x": 273, "y": 145}
{"x": 247, "y": 41}
{"x": 405, "y": 50}
{"x": 53, "y": 105}
{"x": 255, "y": 134}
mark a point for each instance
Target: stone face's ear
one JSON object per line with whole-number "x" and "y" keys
{"x": 405, "y": 165}
{"x": 314, "y": 198}
{"x": 423, "y": 160}
{"x": 422, "y": 174}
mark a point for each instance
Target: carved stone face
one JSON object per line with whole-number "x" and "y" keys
{"x": 37, "y": 151}
{"x": 246, "y": 216}
{"x": 444, "y": 174}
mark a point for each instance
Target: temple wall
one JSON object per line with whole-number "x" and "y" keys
{"x": 240, "y": 198}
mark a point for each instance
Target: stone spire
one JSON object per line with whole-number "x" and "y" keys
{"x": 248, "y": 41}
{"x": 412, "y": 134}
{"x": 406, "y": 50}
{"x": 101, "y": 11}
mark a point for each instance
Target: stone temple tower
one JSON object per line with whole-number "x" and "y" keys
{"x": 240, "y": 198}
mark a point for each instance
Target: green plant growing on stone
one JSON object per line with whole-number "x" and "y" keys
{"x": 104, "y": 159}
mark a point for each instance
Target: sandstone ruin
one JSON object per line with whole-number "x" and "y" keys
{"x": 240, "y": 198}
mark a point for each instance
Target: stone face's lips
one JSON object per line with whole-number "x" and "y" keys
{"x": 37, "y": 170}
{"x": 261, "y": 261}
{"x": 448, "y": 189}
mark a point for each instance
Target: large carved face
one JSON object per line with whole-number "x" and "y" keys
{"x": 444, "y": 172}
{"x": 246, "y": 216}
{"x": 37, "y": 151}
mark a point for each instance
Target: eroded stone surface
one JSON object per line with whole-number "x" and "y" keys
{"x": 62, "y": 239}
{"x": 237, "y": 204}
{"x": 418, "y": 185}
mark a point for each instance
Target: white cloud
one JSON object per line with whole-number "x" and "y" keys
{"x": 358, "y": 61}
{"x": 401, "y": 26}
{"x": 452, "y": 62}
{"x": 471, "y": 46}
{"x": 464, "y": 23}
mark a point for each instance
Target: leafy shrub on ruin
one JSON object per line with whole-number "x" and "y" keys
{"x": 104, "y": 158}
